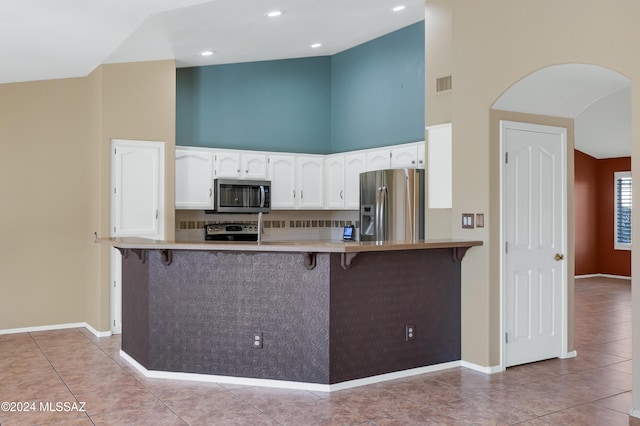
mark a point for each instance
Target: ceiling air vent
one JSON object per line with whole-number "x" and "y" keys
{"x": 443, "y": 84}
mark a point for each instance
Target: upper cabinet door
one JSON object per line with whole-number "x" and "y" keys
{"x": 334, "y": 182}
{"x": 354, "y": 164}
{"x": 282, "y": 173}
{"x": 254, "y": 166}
{"x": 194, "y": 179}
{"x": 311, "y": 182}
{"x": 404, "y": 157}
{"x": 227, "y": 164}
{"x": 439, "y": 169}
{"x": 379, "y": 159}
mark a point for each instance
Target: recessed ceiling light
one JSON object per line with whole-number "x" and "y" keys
{"x": 274, "y": 13}
{"x": 398, "y": 8}
{"x": 207, "y": 52}
{"x": 316, "y": 45}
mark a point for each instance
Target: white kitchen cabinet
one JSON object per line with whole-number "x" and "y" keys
{"x": 378, "y": 159}
{"x": 296, "y": 181}
{"x": 354, "y": 164}
{"x": 299, "y": 181}
{"x": 439, "y": 167}
{"x": 254, "y": 165}
{"x": 236, "y": 164}
{"x": 227, "y": 164}
{"x": 282, "y": 173}
{"x": 334, "y": 181}
{"x": 310, "y": 179}
{"x": 405, "y": 156}
{"x": 194, "y": 178}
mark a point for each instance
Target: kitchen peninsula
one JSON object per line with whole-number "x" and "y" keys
{"x": 312, "y": 312}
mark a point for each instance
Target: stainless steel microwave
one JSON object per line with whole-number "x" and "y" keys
{"x": 242, "y": 196}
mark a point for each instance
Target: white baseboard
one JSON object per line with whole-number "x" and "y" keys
{"x": 498, "y": 369}
{"x": 96, "y": 332}
{"x": 285, "y": 384}
{"x": 486, "y": 370}
{"x": 619, "y": 277}
{"x": 56, "y": 327}
{"x": 634, "y": 413}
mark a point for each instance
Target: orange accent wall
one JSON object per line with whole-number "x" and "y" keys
{"x": 594, "y": 215}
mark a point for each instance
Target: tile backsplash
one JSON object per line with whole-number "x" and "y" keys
{"x": 278, "y": 225}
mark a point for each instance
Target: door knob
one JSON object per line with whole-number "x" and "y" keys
{"x": 558, "y": 257}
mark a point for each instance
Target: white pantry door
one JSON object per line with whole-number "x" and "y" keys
{"x": 534, "y": 233}
{"x": 137, "y": 204}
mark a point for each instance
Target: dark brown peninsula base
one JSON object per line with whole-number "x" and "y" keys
{"x": 202, "y": 311}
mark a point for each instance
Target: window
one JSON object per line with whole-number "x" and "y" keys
{"x": 622, "y": 221}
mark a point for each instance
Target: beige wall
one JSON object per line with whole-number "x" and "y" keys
{"x": 54, "y": 167}
{"x": 495, "y": 43}
{"x": 48, "y": 193}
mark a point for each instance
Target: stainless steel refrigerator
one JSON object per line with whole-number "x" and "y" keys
{"x": 392, "y": 205}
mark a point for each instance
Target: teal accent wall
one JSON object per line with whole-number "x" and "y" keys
{"x": 377, "y": 92}
{"x": 280, "y": 105}
{"x": 368, "y": 96}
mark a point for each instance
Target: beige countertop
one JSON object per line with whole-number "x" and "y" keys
{"x": 307, "y": 246}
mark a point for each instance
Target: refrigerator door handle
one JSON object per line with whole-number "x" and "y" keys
{"x": 378, "y": 219}
{"x": 410, "y": 197}
{"x": 381, "y": 218}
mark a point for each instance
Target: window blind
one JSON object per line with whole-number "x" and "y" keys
{"x": 623, "y": 208}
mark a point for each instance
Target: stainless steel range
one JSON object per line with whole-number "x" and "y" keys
{"x": 231, "y": 232}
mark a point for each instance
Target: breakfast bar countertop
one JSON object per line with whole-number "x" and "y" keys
{"x": 313, "y": 246}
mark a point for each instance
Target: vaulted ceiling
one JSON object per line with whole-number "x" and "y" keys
{"x": 45, "y": 39}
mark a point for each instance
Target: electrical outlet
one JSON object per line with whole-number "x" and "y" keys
{"x": 409, "y": 332}
{"x": 257, "y": 340}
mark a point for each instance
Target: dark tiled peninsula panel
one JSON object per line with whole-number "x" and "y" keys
{"x": 382, "y": 293}
{"x": 326, "y": 325}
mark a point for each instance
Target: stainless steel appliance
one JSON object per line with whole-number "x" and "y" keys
{"x": 231, "y": 232}
{"x": 241, "y": 196}
{"x": 392, "y": 205}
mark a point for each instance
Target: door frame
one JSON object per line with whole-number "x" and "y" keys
{"x": 115, "y": 258}
{"x": 563, "y": 353}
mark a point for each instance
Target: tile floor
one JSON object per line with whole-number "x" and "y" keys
{"x": 73, "y": 367}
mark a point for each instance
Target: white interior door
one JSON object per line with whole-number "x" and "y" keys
{"x": 136, "y": 197}
{"x": 137, "y": 205}
{"x": 534, "y": 236}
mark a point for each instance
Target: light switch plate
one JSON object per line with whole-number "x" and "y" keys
{"x": 467, "y": 220}
{"x": 479, "y": 220}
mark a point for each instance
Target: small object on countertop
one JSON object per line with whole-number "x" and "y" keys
{"x": 347, "y": 233}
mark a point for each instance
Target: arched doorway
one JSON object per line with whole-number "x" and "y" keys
{"x": 590, "y": 101}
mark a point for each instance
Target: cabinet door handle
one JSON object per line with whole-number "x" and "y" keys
{"x": 301, "y": 194}
{"x": 294, "y": 193}
{"x": 210, "y": 192}
{"x": 341, "y": 197}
